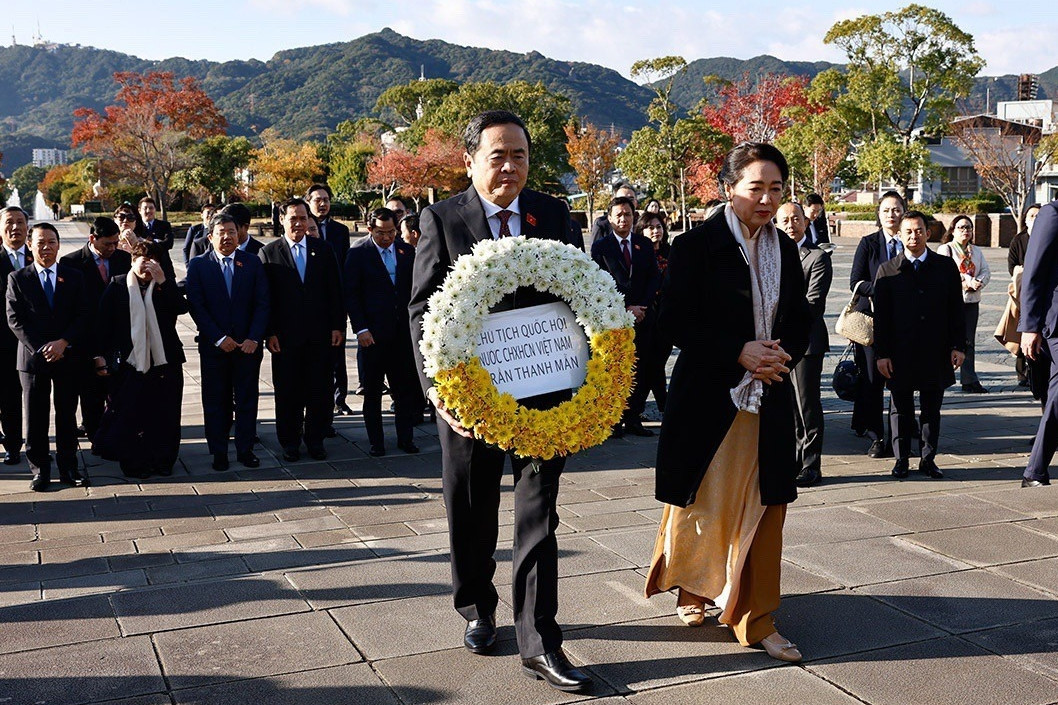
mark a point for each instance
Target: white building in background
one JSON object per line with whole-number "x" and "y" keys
{"x": 47, "y": 158}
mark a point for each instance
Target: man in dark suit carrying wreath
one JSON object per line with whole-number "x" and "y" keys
{"x": 497, "y": 205}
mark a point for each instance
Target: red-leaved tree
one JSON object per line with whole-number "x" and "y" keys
{"x": 757, "y": 109}
{"x": 436, "y": 164}
{"x": 146, "y": 135}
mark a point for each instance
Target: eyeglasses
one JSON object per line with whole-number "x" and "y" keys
{"x": 126, "y": 216}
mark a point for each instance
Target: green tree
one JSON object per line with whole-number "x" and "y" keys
{"x": 906, "y": 70}
{"x": 412, "y": 100}
{"x": 215, "y": 164}
{"x": 545, "y": 115}
{"x": 26, "y": 179}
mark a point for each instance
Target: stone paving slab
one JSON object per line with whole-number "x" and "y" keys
{"x": 867, "y": 561}
{"x": 1032, "y": 647}
{"x": 776, "y": 686}
{"x": 989, "y": 545}
{"x": 221, "y": 601}
{"x": 342, "y": 685}
{"x": 254, "y": 648}
{"x": 55, "y": 623}
{"x": 81, "y": 673}
{"x": 373, "y": 581}
{"x": 940, "y": 672}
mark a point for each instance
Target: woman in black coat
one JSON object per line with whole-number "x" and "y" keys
{"x": 734, "y": 303}
{"x": 141, "y": 351}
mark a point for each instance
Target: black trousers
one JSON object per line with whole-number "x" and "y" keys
{"x": 902, "y": 421}
{"x": 808, "y": 411}
{"x": 390, "y": 362}
{"x": 659, "y": 349}
{"x": 1046, "y": 442}
{"x": 92, "y": 391}
{"x": 302, "y": 376}
{"x": 471, "y": 474}
{"x": 55, "y": 382}
{"x": 867, "y": 409}
{"x": 341, "y": 375}
{"x": 155, "y": 418}
{"x": 10, "y": 401}
{"x": 230, "y": 386}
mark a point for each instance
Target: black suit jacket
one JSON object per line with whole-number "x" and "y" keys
{"x": 337, "y": 236}
{"x": 451, "y": 228}
{"x": 35, "y": 323}
{"x": 600, "y": 229}
{"x": 243, "y": 315}
{"x": 918, "y": 320}
{"x": 114, "y": 333}
{"x": 870, "y": 254}
{"x": 303, "y": 312}
{"x": 819, "y": 274}
{"x": 822, "y": 229}
{"x": 371, "y": 299}
{"x": 161, "y": 232}
{"x": 1039, "y": 283}
{"x": 83, "y": 260}
{"x": 193, "y": 233}
{"x": 8, "y": 341}
{"x": 706, "y": 309}
{"x": 640, "y": 285}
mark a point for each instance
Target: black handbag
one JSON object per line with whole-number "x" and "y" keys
{"x": 847, "y": 376}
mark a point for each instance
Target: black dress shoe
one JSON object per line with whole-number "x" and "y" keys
{"x": 1026, "y": 482}
{"x": 974, "y": 388}
{"x": 248, "y": 459}
{"x": 900, "y": 468}
{"x": 220, "y": 462}
{"x": 81, "y": 432}
{"x": 929, "y": 468}
{"x": 318, "y": 453}
{"x": 164, "y": 470}
{"x": 480, "y": 634}
{"x": 408, "y": 447}
{"x": 12, "y": 458}
{"x": 291, "y": 455}
{"x": 74, "y": 477}
{"x": 638, "y": 429}
{"x": 330, "y": 433}
{"x": 343, "y": 409}
{"x": 556, "y": 669}
{"x": 40, "y": 482}
{"x": 878, "y": 449}
{"x": 618, "y": 431}
{"x": 376, "y": 451}
{"x": 807, "y": 478}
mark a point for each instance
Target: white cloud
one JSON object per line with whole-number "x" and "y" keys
{"x": 1017, "y": 50}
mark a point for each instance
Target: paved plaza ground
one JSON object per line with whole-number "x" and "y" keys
{"x": 328, "y": 582}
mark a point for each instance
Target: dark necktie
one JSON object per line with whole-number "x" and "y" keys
{"x": 103, "y": 269}
{"x": 916, "y": 263}
{"x": 892, "y": 249}
{"x": 49, "y": 288}
{"x": 504, "y": 216}
{"x": 228, "y": 273}
{"x": 626, "y": 254}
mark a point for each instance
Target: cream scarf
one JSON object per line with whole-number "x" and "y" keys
{"x": 147, "y": 348}
{"x": 764, "y": 275}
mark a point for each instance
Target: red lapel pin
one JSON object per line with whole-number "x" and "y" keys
{"x": 530, "y": 219}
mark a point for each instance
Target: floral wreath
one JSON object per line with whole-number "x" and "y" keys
{"x": 453, "y": 322}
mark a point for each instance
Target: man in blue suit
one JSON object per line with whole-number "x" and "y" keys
{"x": 377, "y": 285}
{"x": 228, "y": 296}
{"x": 1039, "y": 333}
{"x": 630, "y": 260}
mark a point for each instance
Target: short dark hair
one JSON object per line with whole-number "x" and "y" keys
{"x": 915, "y": 215}
{"x": 292, "y": 203}
{"x": 44, "y": 225}
{"x": 221, "y": 216}
{"x": 14, "y": 209}
{"x": 208, "y": 206}
{"x": 398, "y": 199}
{"x": 490, "y": 118}
{"x": 239, "y": 212}
{"x": 412, "y": 221}
{"x": 814, "y": 199}
{"x": 621, "y": 201}
{"x": 142, "y": 249}
{"x": 381, "y": 214}
{"x": 888, "y": 194}
{"x": 147, "y": 199}
{"x": 318, "y": 187}
{"x": 744, "y": 154}
{"x": 1033, "y": 207}
{"x": 104, "y": 227}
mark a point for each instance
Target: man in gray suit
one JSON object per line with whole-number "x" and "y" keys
{"x": 805, "y": 376}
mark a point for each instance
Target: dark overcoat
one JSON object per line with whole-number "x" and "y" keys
{"x": 918, "y": 320}
{"x": 707, "y": 311}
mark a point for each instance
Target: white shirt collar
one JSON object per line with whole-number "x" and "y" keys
{"x": 243, "y": 245}
{"x": 492, "y": 209}
{"x": 920, "y": 258}
{"x": 802, "y": 242}
{"x": 39, "y": 268}
{"x": 291, "y": 243}
{"x": 8, "y": 251}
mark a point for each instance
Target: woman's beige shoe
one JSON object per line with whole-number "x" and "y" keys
{"x": 781, "y": 648}
{"x": 692, "y": 613}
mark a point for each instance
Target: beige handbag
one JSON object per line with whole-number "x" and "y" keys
{"x": 854, "y": 325}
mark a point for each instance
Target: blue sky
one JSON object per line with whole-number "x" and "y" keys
{"x": 599, "y": 31}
